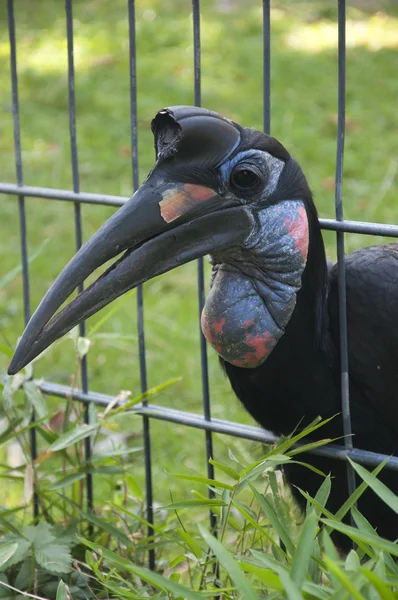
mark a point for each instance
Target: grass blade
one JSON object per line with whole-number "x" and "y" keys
{"x": 377, "y": 486}
{"x": 303, "y": 552}
{"x": 230, "y": 565}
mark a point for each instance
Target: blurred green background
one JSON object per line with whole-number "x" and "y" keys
{"x": 304, "y": 119}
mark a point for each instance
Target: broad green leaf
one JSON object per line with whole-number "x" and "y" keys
{"x": 377, "y": 486}
{"x": 150, "y": 576}
{"x": 55, "y": 558}
{"x": 368, "y": 538}
{"x": 343, "y": 578}
{"x": 303, "y": 552}
{"x": 77, "y": 434}
{"x": 230, "y": 565}
{"x": 23, "y": 547}
{"x": 7, "y": 551}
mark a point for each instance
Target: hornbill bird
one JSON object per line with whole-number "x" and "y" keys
{"x": 272, "y": 312}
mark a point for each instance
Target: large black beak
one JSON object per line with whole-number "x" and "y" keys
{"x": 168, "y": 222}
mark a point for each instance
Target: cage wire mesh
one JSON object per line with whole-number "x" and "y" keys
{"x": 203, "y": 422}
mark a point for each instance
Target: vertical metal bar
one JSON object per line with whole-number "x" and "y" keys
{"x": 345, "y": 400}
{"x": 21, "y": 206}
{"x": 201, "y": 276}
{"x": 78, "y": 220}
{"x": 140, "y": 299}
{"x": 267, "y": 65}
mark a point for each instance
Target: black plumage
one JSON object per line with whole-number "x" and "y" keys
{"x": 272, "y": 313}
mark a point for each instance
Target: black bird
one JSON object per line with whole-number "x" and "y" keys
{"x": 272, "y": 312}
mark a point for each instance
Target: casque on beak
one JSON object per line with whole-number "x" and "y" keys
{"x": 172, "y": 219}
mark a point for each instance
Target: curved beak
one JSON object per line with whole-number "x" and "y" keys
{"x": 162, "y": 226}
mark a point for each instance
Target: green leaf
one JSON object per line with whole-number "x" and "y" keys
{"x": 150, "y": 576}
{"x": 230, "y": 565}
{"x": 133, "y": 486}
{"x": 291, "y": 589}
{"x": 23, "y": 547}
{"x": 83, "y": 346}
{"x": 350, "y": 502}
{"x": 35, "y": 398}
{"x": 62, "y": 591}
{"x": 77, "y": 434}
{"x": 343, "y": 579}
{"x": 193, "y": 504}
{"x": 303, "y": 552}
{"x": 368, "y": 538}
{"x": 378, "y": 584}
{"x": 276, "y": 524}
{"x": 56, "y": 558}
{"x": 352, "y": 562}
{"x": 176, "y": 561}
{"x": 377, "y": 486}
{"x": 205, "y": 480}
{"x": 191, "y": 543}
{"x": 225, "y": 469}
{"x": 7, "y": 551}
{"x": 58, "y": 485}
{"x": 263, "y": 530}
{"x": 264, "y": 575}
{"x": 144, "y": 396}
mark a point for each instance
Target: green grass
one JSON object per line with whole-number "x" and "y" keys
{"x": 304, "y": 92}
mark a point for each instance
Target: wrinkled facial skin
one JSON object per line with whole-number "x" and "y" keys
{"x": 254, "y": 286}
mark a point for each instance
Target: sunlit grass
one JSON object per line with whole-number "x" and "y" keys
{"x": 373, "y": 33}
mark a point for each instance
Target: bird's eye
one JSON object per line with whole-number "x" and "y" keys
{"x": 245, "y": 177}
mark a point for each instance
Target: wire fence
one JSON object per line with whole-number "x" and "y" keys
{"x": 152, "y": 411}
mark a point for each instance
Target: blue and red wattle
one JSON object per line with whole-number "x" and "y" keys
{"x": 254, "y": 288}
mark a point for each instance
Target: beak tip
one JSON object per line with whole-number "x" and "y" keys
{"x": 17, "y": 363}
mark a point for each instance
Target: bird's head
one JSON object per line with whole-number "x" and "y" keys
{"x": 216, "y": 188}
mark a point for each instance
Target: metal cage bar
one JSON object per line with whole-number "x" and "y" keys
{"x": 201, "y": 273}
{"x": 21, "y": 207}
{"x": 339, "y": 225}
{"x": 78, "y": 220}
{"x": 345, "y": 392}
{"x": 140, "y": 297}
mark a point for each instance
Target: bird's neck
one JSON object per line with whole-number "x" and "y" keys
{"x": 254, "y": 289}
